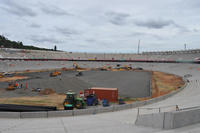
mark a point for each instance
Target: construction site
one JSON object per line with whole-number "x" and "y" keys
{"x": 100, "y": 87}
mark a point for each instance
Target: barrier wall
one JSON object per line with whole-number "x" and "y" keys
{"x": 92, "y": 111}
{"x": 170, "y": 120}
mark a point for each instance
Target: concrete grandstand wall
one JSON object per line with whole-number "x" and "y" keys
{"x": 37, "y": 54}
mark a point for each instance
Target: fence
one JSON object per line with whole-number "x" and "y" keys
{"x": 170, "y": 108}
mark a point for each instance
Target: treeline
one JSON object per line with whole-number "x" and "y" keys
{"x": 6, "y": 43}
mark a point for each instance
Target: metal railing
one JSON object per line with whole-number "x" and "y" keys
{"x": 170, "y": 108}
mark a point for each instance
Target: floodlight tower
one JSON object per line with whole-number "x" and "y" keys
{"x": 185, "y": 46}
{"x": 138, "y": 46}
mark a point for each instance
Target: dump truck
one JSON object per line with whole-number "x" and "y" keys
{"x": 54, "y": 74}
{"x": 72, "y": 101}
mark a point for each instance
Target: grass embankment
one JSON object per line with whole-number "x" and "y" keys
{"x": 46, "y": 100}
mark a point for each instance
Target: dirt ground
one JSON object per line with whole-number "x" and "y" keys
{"x": 45, "y": 100}
{"x": 162, "y": 83}
{"x": 14, "y": 78}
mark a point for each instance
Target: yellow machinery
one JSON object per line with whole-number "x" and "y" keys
{"x": 11, "y": 86}
{"x": 1, "y": 75}
{"x": 76, "y": 66}
{"x": 54, "y": 74}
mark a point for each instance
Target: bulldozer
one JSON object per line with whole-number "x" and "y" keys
{"x": 72, "y": 101}
{"x": 54, "y": 74}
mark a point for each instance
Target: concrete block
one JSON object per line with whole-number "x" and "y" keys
{"x": 150, "y": 120}
{"x": 122, "y": 107}
{"x": 168, "y": 120}
{"x": 105, "y": 109}
{"x": 62, "y": 113}
{"x": 186, "y": 117}
{"x": 34, "y": 115}
{"x": 84, "y": 111}
{"x": 10, "y": 115}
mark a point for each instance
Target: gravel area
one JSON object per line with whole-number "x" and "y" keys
{"x": 130, "y": 84}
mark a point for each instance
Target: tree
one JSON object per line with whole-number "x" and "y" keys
{"x": 55, "y": 48}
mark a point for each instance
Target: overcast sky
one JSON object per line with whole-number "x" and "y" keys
{"x": 102, "y": 25}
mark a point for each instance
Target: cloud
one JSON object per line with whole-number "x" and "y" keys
{"x": 90, "y": 40}
{"x": 154, "y": 24}
{"x": 66, "y": 31}
{"x": 43, "y": 39}
{"x": 33, "y": 25}
{"x": 117, "y": 18}
{"x": 18, "y": 9}
{"x": 143, "y": 34}
{"x": 53, "y": 10}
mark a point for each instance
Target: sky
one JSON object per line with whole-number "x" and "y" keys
{"x": 102, "y": 26}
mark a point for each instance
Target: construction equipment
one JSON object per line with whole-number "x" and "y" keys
{"x": 54, "y": 74}
{"x": 11, "y": 86}
{"x": 76, "y": 66}
{"x": 1, "y": 75}
{"x": 72, "y": 101}
{"x": 92, "y": 100}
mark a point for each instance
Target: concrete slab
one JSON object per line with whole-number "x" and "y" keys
{"x": 33, "y": 115}
{"x": 10, "y": 115}
{"x": 60, "y": 113}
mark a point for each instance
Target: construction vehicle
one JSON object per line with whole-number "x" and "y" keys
{"x": 72, "y": 101}
{"x": 92, "y": 100}
{"x": 76, "y": 66}
{"x": 1, "y": 75}
{"x": 54, "y": 74}
{"x": 11, "y": 86}
{"x": 124, "y": 68}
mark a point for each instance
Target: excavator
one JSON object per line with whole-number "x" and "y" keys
{"x": 72, "y": 101}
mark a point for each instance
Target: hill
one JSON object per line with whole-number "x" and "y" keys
{"x": 6, "y": 43}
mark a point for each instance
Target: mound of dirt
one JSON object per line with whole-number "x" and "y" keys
{"x": 47, "y": 91}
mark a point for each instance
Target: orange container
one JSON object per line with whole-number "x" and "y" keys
{"x": 110, "y": 94}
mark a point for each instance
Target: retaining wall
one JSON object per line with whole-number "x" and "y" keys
{"x": 170, "y": 120}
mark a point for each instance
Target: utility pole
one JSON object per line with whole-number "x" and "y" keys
{"x": 138, "y": 46}
{"x": 185, "y": 46}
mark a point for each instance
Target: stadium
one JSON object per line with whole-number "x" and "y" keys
{"x": 177, "y": 110}
{"x": 93, "y": 66}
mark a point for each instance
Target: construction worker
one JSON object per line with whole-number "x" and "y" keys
{"x": 16, "y": 84}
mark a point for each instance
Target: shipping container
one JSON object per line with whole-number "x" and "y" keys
{"x": 110, "y": 94}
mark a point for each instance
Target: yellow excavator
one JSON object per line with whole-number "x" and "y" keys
{"x": 54, "y": 74}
